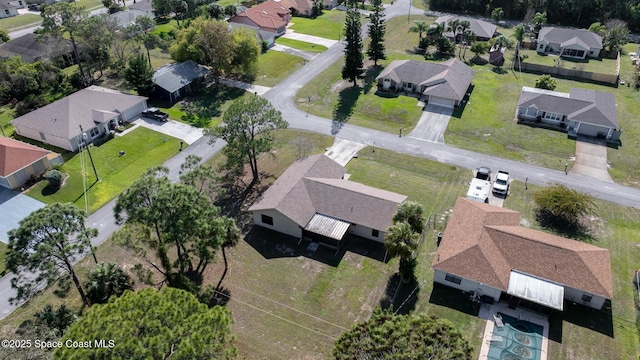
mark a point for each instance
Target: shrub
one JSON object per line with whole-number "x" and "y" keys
{"x": 54, "y": 177}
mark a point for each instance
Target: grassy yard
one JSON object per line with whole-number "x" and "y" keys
{"x": 602, "y": 66}
{"x": 329, "y": 25}
{"x": 144, "y": 148}
{"x": 275, "y": 66}
{"x": 301, "y": 45}
{"x": 19, "y": 21}
{"x": 3, "y": 251}
{"x": 166, "y": 27}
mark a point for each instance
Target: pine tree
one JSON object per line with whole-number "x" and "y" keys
{"x": 377, "y": 30}
{"x": 352, "y": 69}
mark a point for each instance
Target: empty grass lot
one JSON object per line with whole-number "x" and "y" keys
{"x": 144, "y": 148}
{"x": 301, "y": 45}
{"x": 329, "y": 25}
{"x": 602, "y": 66}
{"x": 275, "y": 66}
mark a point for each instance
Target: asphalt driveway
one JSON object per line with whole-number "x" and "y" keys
{"x": 13, "y": 208}
{"x": 432, "y": 124}
{"x": 591, "y": 159}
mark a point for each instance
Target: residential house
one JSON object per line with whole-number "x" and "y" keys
{"x": 143, "y": 7}
{"x": 312, "y": 200}
{"x": 21, "y": 162}
{"x": 270, "y": 16}
{"x": 80, "y": 118}
{"x": 7, "y": 10}
{"x": 124, "y": 19}
{"x": 300, "y": 7}
{"x": 484, "y": 31}
{"x": 580, "y": 112}
{"x": 485, "y": 250}
{"x": 174, "y": 80}
{"x": 574, "y": 43}
{"x": 20, "y": 4}
{"x": 445, "y": 83}
{"x": 31, "y": 48}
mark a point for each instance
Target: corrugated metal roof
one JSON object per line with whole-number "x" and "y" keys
{"x": 327, "y": 226}
{"x": 536, "y": 289}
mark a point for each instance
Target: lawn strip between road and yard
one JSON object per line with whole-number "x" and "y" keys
{"x": 143, "y": 148}
{"x": 275, "y": 66}
{"x": 301, "y": 45}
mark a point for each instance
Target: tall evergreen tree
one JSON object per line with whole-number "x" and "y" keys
{"x": 352, "y": 69}
{"x": 377, "y": 30}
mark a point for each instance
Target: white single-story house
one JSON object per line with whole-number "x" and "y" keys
{"x": 485, "y": 250}
{"x": 20, "y": 162}
{"x": 80, "y": 117}
{"x": 581, "y": 111}
{"x": 484, "y": 30}
{"x": 575, "y": 43}
{"x": 173, "y": 81}
{"x": 312, "y": 200}
{"x": 444, "y": 83}
{"x": 125, "y": 18}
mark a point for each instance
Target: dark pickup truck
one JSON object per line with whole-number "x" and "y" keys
{"x": 155, "y": 114}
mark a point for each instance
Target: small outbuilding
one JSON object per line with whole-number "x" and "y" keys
{"x": 174, "y": 81}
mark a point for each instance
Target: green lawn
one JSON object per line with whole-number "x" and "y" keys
{"x": 144, "y": 148}
{"x": 6, "y": 114}
{"x": 165, "y": 27}
{"x": 15, "y": 22}
{"x": 275, "y": 66}
{"x": 209, "y": 106}
{"x": 329, "y": 25}
{"x": 3, "y": 251}
{"x": 300, "y": 45}
{"x": 602, "y": 66}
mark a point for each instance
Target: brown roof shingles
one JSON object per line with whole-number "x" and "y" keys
{"x": 269, "y": 15}
{"x": 14, "y": 155}
{"x": 315, "y": 185}
{"x": 484, "y": 243}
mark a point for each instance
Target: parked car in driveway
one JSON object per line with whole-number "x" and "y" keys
{"x": 483, "y": 173}
{"x": 155, "y": 114}
{"x": 501, "y": 185}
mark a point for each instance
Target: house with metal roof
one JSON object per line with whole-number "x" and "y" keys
{"x": 80, "y": 118}
{"x": 485, "y": 250}
{"x": 312, "y": 200}
{"x": 174, "y": 81}
{"x": 484, "y": 30}
{"x": 20, "y": 162}
{"x": 31, "y": 48}
{"x": 580, "y": 112}
{"x": 568, "y": 42}
{"x": 444, "y": 83}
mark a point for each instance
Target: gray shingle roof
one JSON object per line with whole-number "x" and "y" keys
{"x": 144, "y": 5}
{"x": 485, "y": 243}
{"x": 64, "y": 117}
{"x": 175, "y": 76}
{"x": 558, "y": 35}
{"x": 30, "y": 48}
{"x": 315, "y": 185}
{"x": 449, "y": 79}
{"x": 583, "y": 105}
{"x": 479, "y": 27}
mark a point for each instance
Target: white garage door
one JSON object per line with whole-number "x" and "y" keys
{"x": 434, "y": 100}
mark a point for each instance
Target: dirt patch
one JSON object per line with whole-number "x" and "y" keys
{"x": 339, "y": 85}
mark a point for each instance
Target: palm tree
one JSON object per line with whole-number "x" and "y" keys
{"x": 502, "y": 41}
{"x": 468, "y": 37}
{"x": 434, "y": 31}
{"x": 420, "y": 27}
{"x": 538, "y": 20}
{"x": 412, "y": 213}
{"x": 519, "y": 33}
{"x": 401, "y": 242}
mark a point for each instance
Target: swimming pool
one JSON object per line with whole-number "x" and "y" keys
{"x": 516, "y": 340}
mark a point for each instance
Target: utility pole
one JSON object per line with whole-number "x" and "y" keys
{"x": 90, "y": 158}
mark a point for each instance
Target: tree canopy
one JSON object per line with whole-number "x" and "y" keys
{"x": 390, "y": 336}
{"x": 44, "y": 246}
{"x": 149, "y": 324}
{"x": 546, "y": 82}
{"x": 248, "y": 125}
{"x": 353, "y": 58}
{"x": 107, "y": 280}
{"x": 140, "y": 74}
{"x": 564, "y": 204}
{"x": 375, "y": 51}
{"x": 411, "y": 212}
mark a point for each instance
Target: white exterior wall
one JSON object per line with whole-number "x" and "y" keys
{"x": 5, "y": 13}
{"x": 575, "y": 296}
{"x": 468, "y": 285}
{"x": 50, "y": 139}
{"x": 281, "y": 223}
{"x": 21, "y": 176}
{"x": 133, "y": 112}
{"x": 365, "y": 232}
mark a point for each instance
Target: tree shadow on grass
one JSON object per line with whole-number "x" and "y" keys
{"x": 453, "y": 299}
{"x": 499, "y": 70}
{"x": 347, "y": 100}
{"x": 370, "y": 77}
{"x": 402, "y": 296}
{"x": 220, "y": 297}
{"x": 564, "y": 228}
{"x": 201, "y": 108}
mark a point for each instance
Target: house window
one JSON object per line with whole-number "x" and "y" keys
{"x": 408, "y": 85}
{"x": 587, "y": 297}
{"x": 266, "y": 219}
{"x": 553, "y": 117}
{"x": 375, "y": 233}
{"x": 452, "y": 278}
{"x": 6, "y": 12}
{"x": 531, "y": 112}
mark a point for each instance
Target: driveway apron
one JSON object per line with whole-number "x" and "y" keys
{"x": 591, "y": 160}
{"x": 432, "y": 124}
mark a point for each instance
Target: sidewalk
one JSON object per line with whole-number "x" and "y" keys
{"x": 291, "y": 34}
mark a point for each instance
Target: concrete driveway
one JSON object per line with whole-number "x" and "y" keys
{"x": 176, "y": 129}
{"x": 291, "y": 34}
{"x": 14, "y": 207}
{"x": 307, "y": 55}
{"x": 432, "y": 124}
{"x": 342, "y": 151}
{"x": 591, "y": 159}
